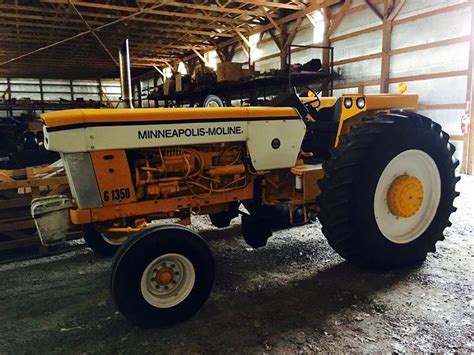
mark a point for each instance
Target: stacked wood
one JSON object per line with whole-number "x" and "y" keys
{"x": 17, "y": 189}
{"x": 227, "y": 71}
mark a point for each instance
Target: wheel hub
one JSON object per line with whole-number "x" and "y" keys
{"x": 167, "y": 280}
{"x": 405, "y": 196}
{"x": 165, "y": 276}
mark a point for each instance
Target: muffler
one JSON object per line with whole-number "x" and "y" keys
{"x": 125, "y": 75}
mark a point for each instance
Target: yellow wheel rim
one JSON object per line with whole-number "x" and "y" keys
{"x": 405, "y": 196}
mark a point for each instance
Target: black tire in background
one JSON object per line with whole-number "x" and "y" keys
{"x": 212, "y": 101}
{"x": 138, "y": 253}
{"x": 98, "y": 242}
{"x": 222, "y": 219}
{"x": 351, "y": 176}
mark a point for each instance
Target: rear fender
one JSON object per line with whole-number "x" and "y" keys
{"x": 357, "y": 106}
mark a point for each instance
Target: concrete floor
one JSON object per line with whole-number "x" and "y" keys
{"x": 295, "y": 295}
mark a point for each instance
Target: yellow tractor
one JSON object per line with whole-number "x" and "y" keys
{"x": 380, "y": 179}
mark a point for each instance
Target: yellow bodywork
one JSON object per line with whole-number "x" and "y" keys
{"x": 147, "y": 193}
{"x": 80, "y": 116}
{"x": 373, "y": 104}
{"x": 84, "y": 116}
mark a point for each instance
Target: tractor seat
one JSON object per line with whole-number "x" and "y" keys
{"x": 321, "y": 134}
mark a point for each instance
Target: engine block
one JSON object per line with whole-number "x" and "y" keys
{"x": 175, "y": 171}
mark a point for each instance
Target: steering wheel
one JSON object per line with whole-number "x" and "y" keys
{"x": 317, "y": 99}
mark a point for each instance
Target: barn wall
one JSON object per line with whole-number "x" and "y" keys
{"x": 431, "y": 60}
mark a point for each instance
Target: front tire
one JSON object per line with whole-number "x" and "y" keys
{"x": 162, "y": 276}
{"x": 388, "y": 191}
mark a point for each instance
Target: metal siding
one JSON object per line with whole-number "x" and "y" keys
{"x": 414, "y": 7}
{"x": 372, "y": 89}
{"x": 432, "y": 29}
{"x": 437, "y": 91}
{"x": 364, "y": 44}
{"x": 305, "y": 35}
{"x": 357, "y": 21}
{"x": 450, "y": 120}
{"x": 360, "y": 71}
{"x": 339, "y": 92}
{"x": 429, "y": 61}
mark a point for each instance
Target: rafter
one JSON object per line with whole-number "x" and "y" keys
{"x": 270, "y": 18}
{"x": 272, "y": 4}
{"x": 93, "y": 33}
{"x": 51, "y": 35}
{"x": 337, "y": 18}
{"x": 79, "y": 35}
{"x": 374, "y": 9}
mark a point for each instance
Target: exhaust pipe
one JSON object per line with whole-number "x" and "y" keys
{"x": 125, "y": 76}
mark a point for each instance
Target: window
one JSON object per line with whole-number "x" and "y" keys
{"x": 319, "y": 26}
{"x": 168, "y": 72}
{"x": 211, "y": 59}
{"x": 182, "y": 68}
{"x": 255, "y": 53}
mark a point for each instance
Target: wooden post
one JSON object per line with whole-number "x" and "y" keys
{"x": 41, "y": 95}
{"x": 71, "y": 90}
{"x": 229, "y": 55}
{"x": 9, "y": 94}
{"x": 155, "y": 84}
{"x": 386, "y": 47}
{"x": 191, "y": 66}
{"x": 9, "y": 89}
{"x": 470, "y": 135}
{"x": 467, "y": 166}
{"x": 326, "y": 51}
{"x": 284, "y": 58}
{"x": 285, "y": 40}
{"x": 139, "y": 94}
{"x": 101, "y": 94}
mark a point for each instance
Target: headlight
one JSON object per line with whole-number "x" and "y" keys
{"x": 81, "y": 177}
{"x": 360, "y": 102}
{"x": 348, "y": 102}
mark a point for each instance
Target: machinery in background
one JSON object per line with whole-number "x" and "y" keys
{"x": 231, "y": 83}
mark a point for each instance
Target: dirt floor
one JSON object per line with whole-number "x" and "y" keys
{"x": 295, "y": 295}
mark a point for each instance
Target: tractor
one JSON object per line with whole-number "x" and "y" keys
{"x": 379, "y": 177}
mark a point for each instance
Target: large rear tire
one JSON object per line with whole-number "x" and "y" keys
{"x": 162, "y": 276}
{"x": 372, "y": 218}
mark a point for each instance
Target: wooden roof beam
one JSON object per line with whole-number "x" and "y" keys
{"x": 395, "y": 11}
{"x": 200, "y": 56}
{"x": 94, "y": 34}
{"x": 273, "y": 22}
{"x": 106, "y": 16}
{"x": 242, "y": 37}
{"x": 80, "y": 34}
{"x": 374, "y": 9}
{"x": 228, "y": 10}
{"x": 152, "y": 11}
{"x": 275, "y": 4}
{"x": 335, "y": 20}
